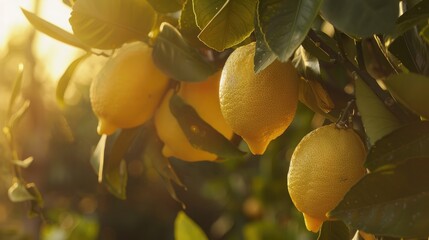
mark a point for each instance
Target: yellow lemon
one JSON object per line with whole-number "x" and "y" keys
{"x": 258, "y": 107}
{"x": 128, "y": 89}
{"x": 204, "y": 98}
{"x": 324, "y": 166}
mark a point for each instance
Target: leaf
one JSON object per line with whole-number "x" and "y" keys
{"x": 263, "y": 54}
{"x": 107, "y": 24}
{"x": 173, "y": 55}
{"x": 286, "y": 23}
{"x": 18, "y": 193}
{"x": 188, "y": 25}
{"x": 389, "y": 202}
{"x": 199, "y": 133}
{"x": 377, "y": 120}
{"x": 23, "y": 163}
{"x": 315, "y": 97}
{"x": 312, "y": 48}
{"x": 54, "y": 31}
{"x": 230, "y": 26}
{"x": 186, "y": 229}
{"x": 97, "y": 158}
{"x": 424, "y": 33}
{"x": 334, "y": 230}
{"x": 153, "y": 153}
{"x": 16, "y": 117}
{"x": 165, "y": 6}
{"x": 361, "y": 18}
{"x": 65, "y": 78}
{"x": 408, "y": 142}
{"x": 418, "y": 14}
{"x": 205, "y": 10}
{"x": 16, "y": 90}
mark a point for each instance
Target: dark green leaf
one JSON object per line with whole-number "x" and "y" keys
{"x": 286, "y": 23}
{"x": 186, "y": 229}
{"x": 408, "y": 142}
{"x": 230, "y": 26}
{"x": 334, "y": 230}
{"x": 389, "y": 202}
{"x": 54, "y": 31}
{"x": 65, "y": 78}
{"x": 153, "y": 154}
{"x": 173, "y": 55}
{"x": 16, "y": 90}
{"x": 361, "y": 18}
{"x": 315, "y": 50}
{"x": 18, "y": 193}
{"x": 418, "y": 14}
{"x": 23, "y": 163}
{"x": 263, "y": 54}
{"x": 166, "y": 6}
{"x": 377, "y": 120}
{"x": 188, "y": 25}
{"x": 199, "y": 133}
{"x": 107, "y": 24}
{"x": 205, "y": 10}
{"x": 424, "y": 33}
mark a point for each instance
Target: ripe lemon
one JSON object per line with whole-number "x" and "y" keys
{"x": 324, "y": 166}
{"x": 204, "y": 98}
{"x": 258, "y": 107}
{"x": 128, "y": 89}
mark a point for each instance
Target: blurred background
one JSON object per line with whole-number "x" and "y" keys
{"x": 230, "y": 200}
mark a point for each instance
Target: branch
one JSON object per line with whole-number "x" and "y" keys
{"x": 384, "y": 96}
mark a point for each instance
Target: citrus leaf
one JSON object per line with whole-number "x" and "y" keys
{"x": 205, "y": 10}
{"x": 312, "y": 48}
{"x": 334, "y": 230}
{"x": 410, "y": 89}
{"x": 230, "y": 26}
{"x": 186, "y": 229}
{"x": 54, "y": 31}
{"x": 377, "y": 120}
{"x": 18, "y": 193}
{"x": 424, "y": 33}
{"x": 97, "y": 157}
{"x": 23, "y": 163}
{"x": 188, "y": 25}
{"x": 361, "y": 18}
{"x": 418, "y": 14}
{"x": 389, "y": 202}
{"x": 263, "y": 54}
{"x": 16, "y": 90}
{"x": 107, "y": 24}
{"x": 153, "y": 154}
{"x": 407, "y": 142}
{"x": 285, "y": 23}
{"x": 65, "y": 78}
{"x": 166, "y": 6}
{"x": 173, "y": 55}
{"x": 199, "y": 133}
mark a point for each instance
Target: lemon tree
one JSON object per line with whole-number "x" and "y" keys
{"x": 330, "y": 97}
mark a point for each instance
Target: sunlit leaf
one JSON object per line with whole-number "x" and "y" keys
{"x": 263, "y": 54}
{"x": 188, "y": 25}
{"x": 286, "y": 23}
{"x": 390, "y": 202}
{"x": 334, "y": 230}
{"x": 97, "y": 158}
{"x": 18, "y": 193}
{"x": 65, "y": 78}
{"x": 166, "y": 6}
{"x": 199, "y": 133}
{"x": 15, "y": 118}
{"x": 361, "y": 18}
{"x": 16, "y": 90}
{"x": 107, "y": 24}
{"x": 205, "y": 10}
{"x": 377, "y": 120}
{"x": 418, "y": 14}
{"x": 23, "y": 163}
{"x": 54, "y": 31}
{"x": 173, "y": 55}
{"x": 408, "y": 142}
{"x": 230, "y": 26}
{"x": 186, "y": 229}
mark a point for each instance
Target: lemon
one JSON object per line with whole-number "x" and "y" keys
{"x": 128, "y": 89}
{"x": 258, "y": 107}
{"x": 324, "y": 166}
{"x": 204, "y": 98}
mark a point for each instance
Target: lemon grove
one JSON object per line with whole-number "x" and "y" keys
{"x": 224, "y": 81}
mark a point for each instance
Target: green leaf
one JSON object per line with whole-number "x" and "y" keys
{"x": 166, "y": 6}
{"x": 377, "y": 120}
{"x": 65, "y": 78}
{"x": 407, "y": 142}
{"x": 18, "y": 193}
{"x": 54, "y": 31}
{"x": 334, "y": 230}
{"x": 205, "y": 10}
{"x": 230, "y": 26}
{"x": 285, "y": 24}
{"x": 199, "y": 133}
{"x": 188, "y": 25}
{"x": 424, "y": 33}
{"x": 23, "y": 163}
{"x": 173, "y": 55}
{"x": 107, "y": 24}
{"x": 153, "y": 154}
{"x": 16, "y": 90}
{"x": 263, "y": 54}
{"x": 97, "y": 158}
{"x": 390, "y": 202}
{"x": 361, "y": 18}
{"x": 186, "y": 229}
{"x": 418, "y": 14}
